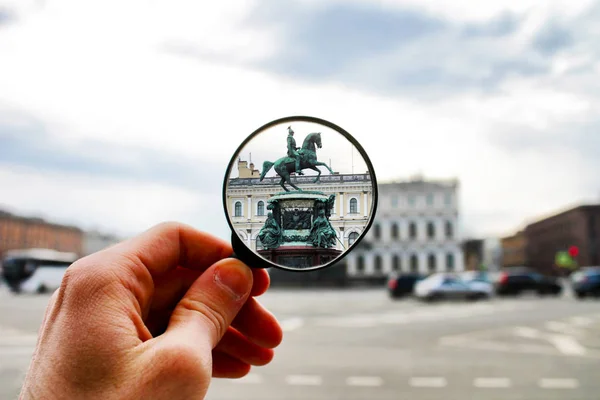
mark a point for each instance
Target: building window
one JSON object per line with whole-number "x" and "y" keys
{"x": 378, "y": 264}
{"x": 431, "y": 262}
{"x": 448, "y": 229}
{"x": 447, "y": 199}
{"x": 395, "y": 201}
{"x": 238, "y": 208}
{"x": 395, "y": 231}
{"x": 412, "y": 230}
{"x": 414, "y": 263}
{"x": 352, "y": 238}
{"x": 260, "y": 208}
{"x": 430, "y": 230}
{"x": 377, "y": 231}
{"x": 430, "y": 199}
{"x": 353, "y": 206}
{"x": 360, "y": 264}
{"x": 396, "y": 263}
{"x": 411, "y": 200}
{"x": 449, "y": 262}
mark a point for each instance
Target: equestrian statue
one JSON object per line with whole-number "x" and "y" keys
{"x": 297, "y": 159}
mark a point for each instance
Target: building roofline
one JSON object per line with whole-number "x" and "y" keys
{"x": 561, "y": 212}
{"x": 37, "y": 220}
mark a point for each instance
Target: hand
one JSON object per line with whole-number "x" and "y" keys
{"x": 154, "y": 317}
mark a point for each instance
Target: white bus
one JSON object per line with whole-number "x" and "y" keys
{"x": 35, "y": 270}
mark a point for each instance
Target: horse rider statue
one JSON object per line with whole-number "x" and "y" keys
{"x": 292, "y": 150}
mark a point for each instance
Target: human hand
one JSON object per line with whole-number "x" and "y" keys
{"x": 154, "y": 317}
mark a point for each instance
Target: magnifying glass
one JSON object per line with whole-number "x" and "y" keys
{"x": 299, "y": 194}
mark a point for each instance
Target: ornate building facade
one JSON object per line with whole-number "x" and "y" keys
{"x": 415, "y": 230}
{"x": 247, "y": 202}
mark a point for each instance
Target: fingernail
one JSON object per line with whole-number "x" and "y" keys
{"x": 235, "y": 277}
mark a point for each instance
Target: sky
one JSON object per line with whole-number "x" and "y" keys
{"x": 117, "y": 115}
{"x": 271, "y": 144}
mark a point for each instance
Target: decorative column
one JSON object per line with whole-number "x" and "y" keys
{"x": 249, "y": 207}
{"x": 341, "y": 205}
{"x": 365, "y": 203}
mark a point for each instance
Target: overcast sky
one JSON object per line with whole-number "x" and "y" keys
{"x": 121, "y": 114}
{"x": 271, "y": 144}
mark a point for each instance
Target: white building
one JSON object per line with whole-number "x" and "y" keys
{"x": 415, "y": 230}
{"x": 247, "y": 202}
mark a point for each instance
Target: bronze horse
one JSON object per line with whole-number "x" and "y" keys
{"x": 308, "y": 159}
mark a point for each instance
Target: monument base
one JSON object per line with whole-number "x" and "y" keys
{"x": 300, "y": 256}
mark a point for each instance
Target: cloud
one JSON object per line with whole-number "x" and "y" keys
{"x": 128, "y": 134}
{"x": 6, "y": 16}
{"x": 107, "y": 204}
{"x": 552, "y": 38}
{"x": 403, "y": 49}
{"x": 26, "y": 142}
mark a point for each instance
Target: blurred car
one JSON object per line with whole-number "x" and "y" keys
{"x": 401, "y": 285}
{"x": 444, "y": 286}
{"x": 586, "y": 282}
{"x": 517, "y": 280}
{"x": 478, "y": 279}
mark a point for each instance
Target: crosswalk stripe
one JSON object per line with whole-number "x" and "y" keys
{"x": 492, "y": 382}
{"x": 558, "y": 383}
{"x": 370, "y": 381}
{"x": 435, "y": 382}
{"x": 304, "y": 380}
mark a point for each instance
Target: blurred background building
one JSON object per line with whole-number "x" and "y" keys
{"x": 575, "y": 230}
{"x": 20, "y": 232}
{"x": 514, "y": 252}
{"x": 415, "y": 230}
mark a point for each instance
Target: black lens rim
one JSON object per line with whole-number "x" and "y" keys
{"x": 253, "y": 259}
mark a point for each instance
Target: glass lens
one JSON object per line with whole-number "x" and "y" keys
{"x": 300, "y": 194}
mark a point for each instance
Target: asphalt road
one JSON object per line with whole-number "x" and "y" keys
{"x": 359, "y": 344}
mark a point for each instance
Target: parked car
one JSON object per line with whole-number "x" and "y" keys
{"x": 586, "y": 282}
{"x": 401, "y": 285}
{"x": 451, "y": 287}
{"x": 517, "y": 280}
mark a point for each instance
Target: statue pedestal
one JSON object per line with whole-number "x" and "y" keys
{"x": 300, "y": 256}
{"x": 295, "y": 213}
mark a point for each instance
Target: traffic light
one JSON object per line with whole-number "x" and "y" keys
{"x": 573, "y": 251}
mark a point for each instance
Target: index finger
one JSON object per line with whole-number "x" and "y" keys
{"x": 169, "y": 245}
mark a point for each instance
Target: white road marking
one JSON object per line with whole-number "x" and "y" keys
{"x": 370, "y": 381}
{"x": 562, "y": 327}
{"x": 304, "y": 380}
{"x": 249, "y": 379}
{"x": 436, "y": 382}
{"x": 558, "y": 383}
{"x": 567, "y": 345}
{"x": 291, "y": 324}
{"x": 526, "y": 332}
{"x": 422, "y": 314}
{"x": 492, "y": 382}
{"x": 581, "y": 321}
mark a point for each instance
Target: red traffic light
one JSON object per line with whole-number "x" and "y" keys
{"x": 573, "y": 251}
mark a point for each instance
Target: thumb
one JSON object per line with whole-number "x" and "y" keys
{"x": 211, "y": 303}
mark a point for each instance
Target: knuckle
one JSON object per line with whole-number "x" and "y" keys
{"x": 209, "y": 313}
{"x": 85, "y": 277}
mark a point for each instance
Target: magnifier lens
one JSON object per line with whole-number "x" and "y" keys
{"x": 299, "y": 194}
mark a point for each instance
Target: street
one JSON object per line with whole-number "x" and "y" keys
{"x": 360, "y": 344}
